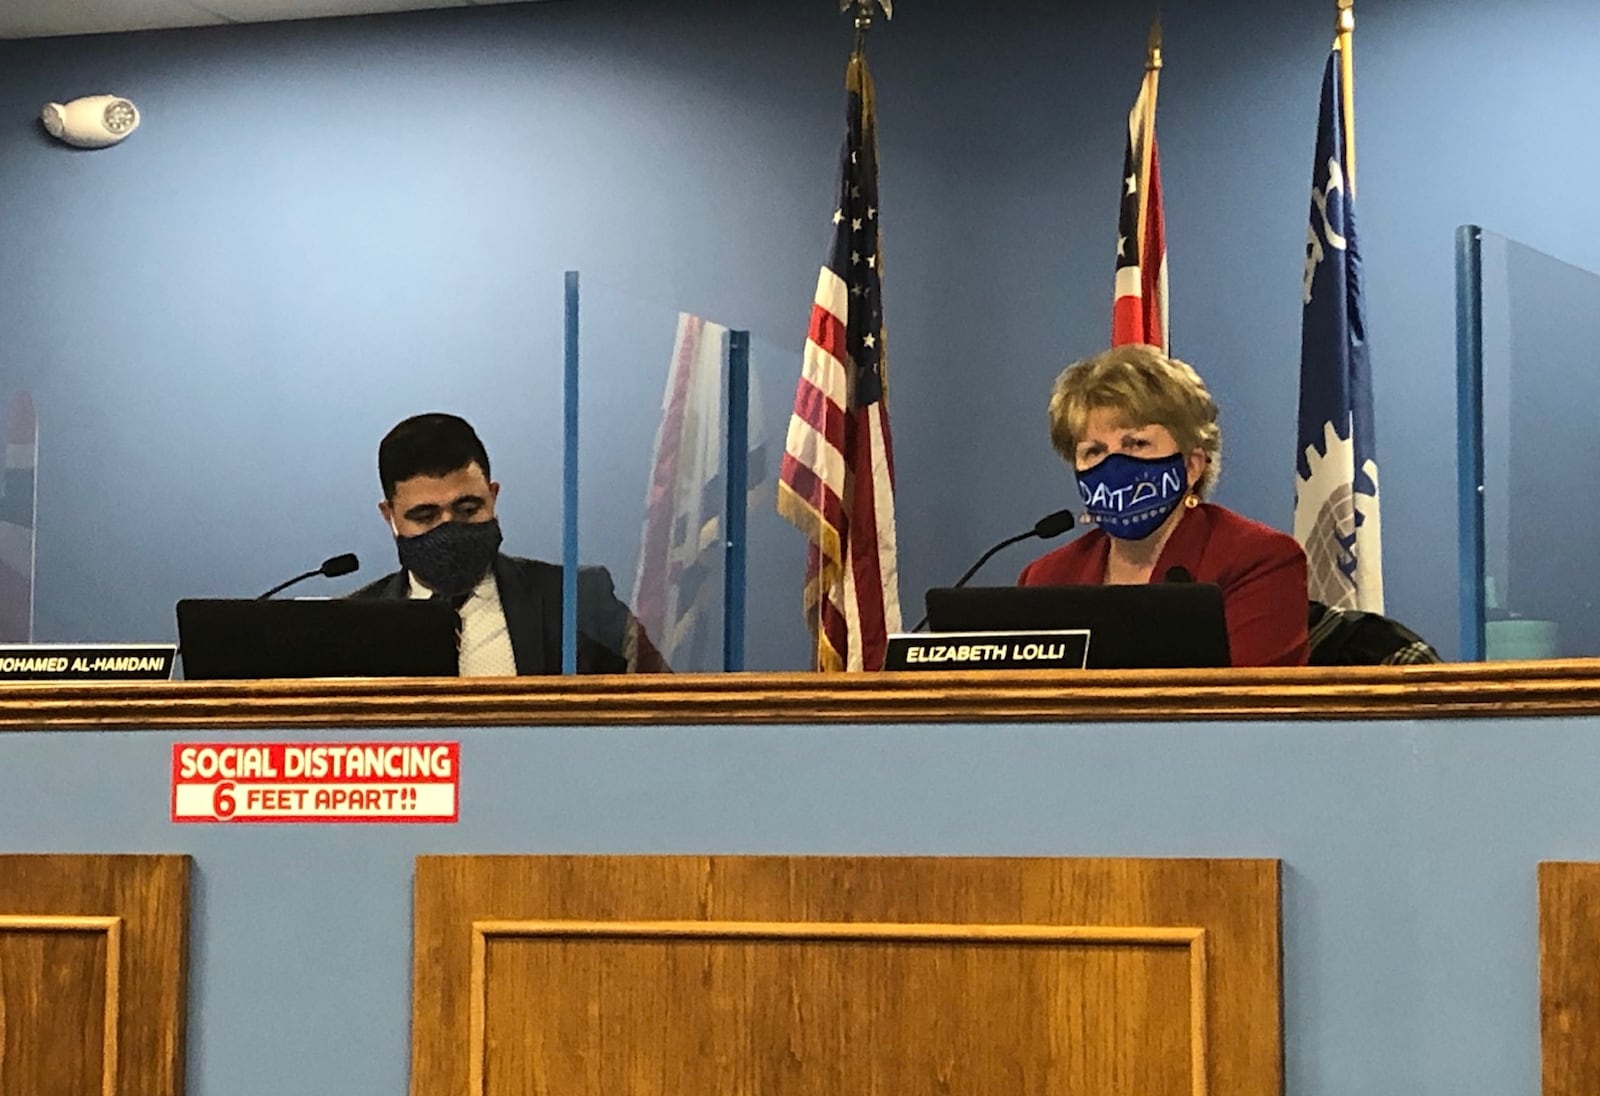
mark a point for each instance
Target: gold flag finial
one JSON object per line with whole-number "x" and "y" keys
{"x": 864, "y": 10}
{"x": 1153, "y": 48}
{"x": 864, "y": 18}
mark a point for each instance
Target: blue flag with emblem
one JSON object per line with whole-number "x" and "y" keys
{"x": 1336, "y": 474}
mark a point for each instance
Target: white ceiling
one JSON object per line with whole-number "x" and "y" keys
{"x": 47, "y": 18}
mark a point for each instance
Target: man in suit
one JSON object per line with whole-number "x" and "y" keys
{"x": 439, "y": 502}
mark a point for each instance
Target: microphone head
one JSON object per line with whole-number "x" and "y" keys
{"x": 1053, "y": 525}
{"x": 340, "y": 565}
{"x": 1178, "y": 574}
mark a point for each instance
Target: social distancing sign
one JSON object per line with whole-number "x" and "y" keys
{"x": 316, "y": 782}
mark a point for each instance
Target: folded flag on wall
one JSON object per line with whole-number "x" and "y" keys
{"x": 1336, "y": 467}
{"x": 18, "y": 521}
{"x": 678, "y": 583}
{"x": 1139, "y": 309}
{"x": 836, "y": 483}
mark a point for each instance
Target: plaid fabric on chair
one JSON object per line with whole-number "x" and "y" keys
{"x": 1349, "y": 637}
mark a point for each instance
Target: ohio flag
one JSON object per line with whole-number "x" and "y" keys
{"x": 1336, "y": 473}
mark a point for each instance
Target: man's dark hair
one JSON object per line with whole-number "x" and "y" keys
{"x": 434, "y": 444}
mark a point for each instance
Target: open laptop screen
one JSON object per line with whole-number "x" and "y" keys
{"x": 235, "y": 638}
{"x": 1164, "y": 625}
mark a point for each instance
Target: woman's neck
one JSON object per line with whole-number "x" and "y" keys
{"x": 1133, "y": 561}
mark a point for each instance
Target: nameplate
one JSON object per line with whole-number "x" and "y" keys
{"x": 87, "y": 661}
{"x": 1064, "y": 650}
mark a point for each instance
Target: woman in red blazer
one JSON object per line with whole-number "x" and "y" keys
{"x": 1140, "y": 430}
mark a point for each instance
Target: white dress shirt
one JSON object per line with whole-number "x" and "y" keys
{"x": 485, "y": 642}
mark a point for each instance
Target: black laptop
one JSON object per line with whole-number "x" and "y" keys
{"x": 234, "y": 638}
{"x": 1166, "y": 625}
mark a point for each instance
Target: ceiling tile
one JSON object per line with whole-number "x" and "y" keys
{"x": 263, "y": 11}
{"x": 47, "y": 18}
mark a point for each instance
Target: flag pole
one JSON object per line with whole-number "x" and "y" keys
{"x": 1147, "y": 139}
{"x": 1345, "y": 43}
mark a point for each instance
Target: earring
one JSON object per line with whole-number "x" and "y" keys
{"x": 1191, "y": 501}
{"x": 1085, "y": 519}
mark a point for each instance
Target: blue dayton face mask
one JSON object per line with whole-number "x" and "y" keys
{"x": 1129, "y": 497}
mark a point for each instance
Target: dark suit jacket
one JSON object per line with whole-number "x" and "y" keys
{"x": 530, "y": 597}
{"x": 1261, "y": 571}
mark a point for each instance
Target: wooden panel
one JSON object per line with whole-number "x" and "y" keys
{"x": 1570, "y": 687}
{"x": 58, "y": 1004}
{"x": 1569, "y": 977}
{"x": 811, "y": 976}
{"x": 92, "y": 974}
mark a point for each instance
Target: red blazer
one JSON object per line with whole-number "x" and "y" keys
{"x": 1261, "y": 571}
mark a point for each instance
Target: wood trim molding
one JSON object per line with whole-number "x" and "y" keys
{"x": 111, "y": 928}
{"x": 1191, "y": 938}
{"x": 1154, "y": 935}
{"x": 1459, "y": 690}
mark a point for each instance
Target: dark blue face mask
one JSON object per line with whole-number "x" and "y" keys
{"x": 1129, "y": 497}
{"x": 453, "y": 556}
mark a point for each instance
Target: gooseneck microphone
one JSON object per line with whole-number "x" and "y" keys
{"x": 333, "y": 567}
{"x": 1046, "y": 528}
{"x": 1178, "y": 573}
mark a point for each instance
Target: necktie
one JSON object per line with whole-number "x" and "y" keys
{"x": 457, "y": 601}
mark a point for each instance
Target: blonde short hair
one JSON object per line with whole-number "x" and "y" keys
{"x": 1146, "y": 387}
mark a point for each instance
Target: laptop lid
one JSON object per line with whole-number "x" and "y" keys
{"x": 1168, "y": 625}
{"x": 227, "y": 638}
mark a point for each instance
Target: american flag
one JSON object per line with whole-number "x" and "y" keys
{"x": 18, "y": 524}
{"x": 1139, "y": 312}
{"x": 837, "y": 480}
{"x": 1336, "y": 466}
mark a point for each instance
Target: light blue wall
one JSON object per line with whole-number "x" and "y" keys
{"x": 1410, "y": 952}
{"x": 320, "y": 227}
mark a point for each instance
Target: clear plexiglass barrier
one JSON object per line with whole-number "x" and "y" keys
{"x": 217, "y": 455}
{"x": 1528, "y": 328}
{"x": 633, "y": 437}
{"x": 682, "y": 560}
